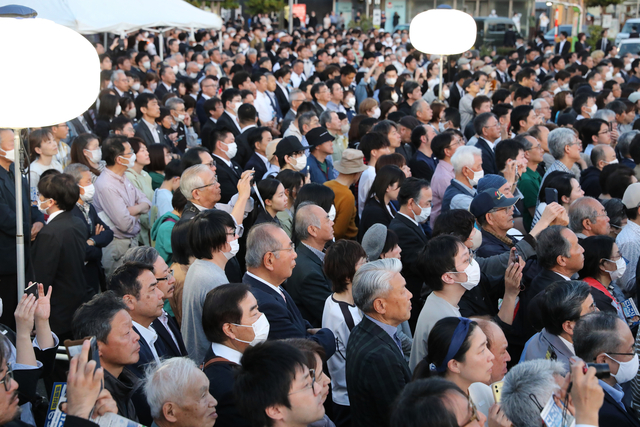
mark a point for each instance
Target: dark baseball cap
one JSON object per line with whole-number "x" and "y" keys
{"x": 490, "y": 199}
{"x": 318, "y": 136}
{"x": 288, "y": 145}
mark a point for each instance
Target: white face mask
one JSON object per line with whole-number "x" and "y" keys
{"x": 594, "y": 110}
{"x": 345, "y": 128}
{"x": 390, "y": 81}
{"x": 182, "y": 65}
{"x": 423, "y": 215}
{"x": 235, "y": 107}
{"x": 260, "y": 330}
{"x": 235, "y": 247}
{"x": 135, "y": 86}
{"x": 599, "y": 85}
{"x": 132, "y": 113}
{"x": 441, "y": 127}
{"x": 627, "y": 67}
{"x": 146, "y": 64}
{"x": 180, "y": 118}
{"x": 200, "y": 66}
{"x": 446, "y": 93}
{"x": 193, "y": 75}
{"x": 175, "y": 69}
{"x": 96, "y": 155}
{"x": 376, "y": 113}
{"x": 565, "y": 86}
{"x": 9, "y": 155}
{"x": 537, "y": 71}
{"x": 477, "y": 176}
{"x": 557, "y": 90}
{"x": 130, "y": 162}
{"x": 473, "y": 275}
{"x": 351, "y": 102}
{"x": 118, "y": 110}
{"x": 612, "y": 162}
{"x": 301, "y": 163}
{"x": 626, "y": 370}
{"x": 40, "y": 203}
{"x": 89, "y": 191}
{"x": 332, "y": 213}
{"x": 609, "y": 75}
{"x": 153, "y": 86}
{"x": 332, "y": 51}
{"x": 621, "y": 267}
{"x": 243, "y": 46}
{"x": 232, "y": 150}
{"x": 476, "y": 240}
{"x": 394, "y": 97}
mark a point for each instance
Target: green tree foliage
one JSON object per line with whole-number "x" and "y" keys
{"x": 253, "y": 7}
{"x": 602, "y": 3}
{"x": 365, "y": 24}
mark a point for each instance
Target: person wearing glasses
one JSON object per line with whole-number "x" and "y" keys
{"x": 165, "y": 325}
{"x": 118, "y": 202}
{"x": 565, "y": 147}
{"x": 276, "y": 387}
{"x": 605, "y": 338}
{"x": 594, "y": 132}
{"x": 587, "y": 217}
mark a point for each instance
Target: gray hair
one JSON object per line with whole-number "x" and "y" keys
{"x": 168, "y": 381}
{"x": 537, "y": 103}
{"x": 522, "y": 139}
{"x": 75, "y": 170}
{"x": 325, "y": 117}
{"x": 550, "y": 245}
{"x": 252, "y": 51}
{"x": 115, "y": 74}
{"x": 559, "y": 139}
{"x": 624, "y": 141}
{"x": 304, "y": 218}
{"x": 548, "y": 84}
{"x": 305, "y": 119}
{"x": 208, "y": 67}
{"x": 534, "y": 378}
{"x": 372, "y": 281}
{"x": 417, "y": 106}
{"x": 260, "y": 241}
{"x": 608, "y": 116}
{"x": 580, "y": 210}
{"x": 191, "y": 179}
{"x": 172, "y": 103}
{"x": 598, "y": 154}
{"x": 595, "y": 334}
{"x": 297, "y": 92}
{"x": 143, "y": 254}
{"x": 465, "y": 156}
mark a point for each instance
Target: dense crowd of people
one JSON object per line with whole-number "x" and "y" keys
{"x": 312, "y": 229}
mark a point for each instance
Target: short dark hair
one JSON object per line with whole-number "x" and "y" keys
{"x": 210, "y": 105}
{"x": 93, "y": 318}
{"x": 255, "y": 135}
{"x": 372, "y": 141}
{"x": 247, "y": 113}
{"x": 208, "y": 232}
{"x": 113, "y": 147}
{"x": 521, "y": 112}
{"x": 239, "y": 78}
{"x": 425, "y": 399}
{"x": 452, "y": 115}
{"x": 124, "y": 280}
{"x": 507, "y": 149}
{"x": 143, "y": 100}
{"x": 456, "y": 222}
{"x": 480, "y": 122}
{"x": 264, "y": 379}
{"x": 410, "y": 189}
{"x": 478, "y": 101}
{"x": 563, "y": 301}
{"x": 340, "y": 263}
{"x": 441, "y": 142}
{"x": 62, "y": 188}
{"x": 228, "y": 95}
{"x": 550, "y": 245}
{"x": 595, "y": 334}
{"x": 438, "y": 258}
{"x": 192, "y": 157}
{"x": 222, "y": 305}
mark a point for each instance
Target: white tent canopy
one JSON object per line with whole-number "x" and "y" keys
{"x": 120, "y": 16}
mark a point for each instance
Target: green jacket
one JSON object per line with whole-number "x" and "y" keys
{"x": 161, "y": 234}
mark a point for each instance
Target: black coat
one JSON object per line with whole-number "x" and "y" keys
{"x": 59, "y": 253}
{"x": 565, "y": 48}
{"x": 612, "y": 415}
{"x": 206, "y": 134}
{"x": 228, "y": 178}
{"x": 93, "y": 271}
{"x": 244, "y": 150}
{"x": 285, "y": 106}
{"x": 161, "y": 91}
{"x": 258, "y": 165}
{"x": 590, "y": 182}
{"x": 226, "y": 122}
{"x": 143, "y": 132}
{"x": 373, "y": 213}
{"x": 122, "y": 390}
{"x": 607, "y": 45}
{"x": 529, "y": 304}
{"x": 165, "y": 337}
{"x": 488, "y": 157}
{"x": 454, "y": 96}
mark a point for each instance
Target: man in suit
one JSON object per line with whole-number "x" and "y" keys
{"x": 563, "y": 46}
{"x": 604, "y": 338}
{"x": 59, "y": 250}
{"x": 167, "y": 82}
{"x": 231, "y": 101}
{"x": 488, "y": 130}
{"x": 415, "y": 207}
{"x": 209, "y": 88}
{"x": 213, "y": 109}
{"x": 229, "y": 315}
{"x": 147, "y": 129}
{"x": 100, "y": 235}
{"x": 501, "y": 69}
{"x": 457, "y": 92}
{"x": 603, "y": 43}
{"x": 376, "y": 371}
{"x": 227, "y": 170}
{"x": 283, "y": 78}
{"x": 270, "y": 260}
{"x": 258, "y": 140}
{"x": 248, "y": 119}
{"x": 296, "y": 97}
{"x": 509, "y": 37}
{"x": 33, "y": 221}
{"x": 308, "y": 285}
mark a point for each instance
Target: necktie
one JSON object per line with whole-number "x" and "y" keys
{"x": 282, "y": 293}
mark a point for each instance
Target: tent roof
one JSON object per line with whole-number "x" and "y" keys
{"x": 117, "y": 16}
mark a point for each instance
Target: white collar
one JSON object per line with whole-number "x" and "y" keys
{"x": 228, "y": 353}
{"x": 53, "y": 215}
{"x": 152, "y": 126}
{"x": 276, "y": 288}
{"x": 227, "y": 162}
{"x": 264, "y": 159}
{"x": 167, "y": 86}
{"x": 150, "y": 336}
{"x": 412, "y": 220}
{"x": 568, "y": 344}
{"x": 206, "y": 97}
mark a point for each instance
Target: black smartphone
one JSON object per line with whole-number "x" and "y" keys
{"x": 74, "y": 347}
{"x": 32, "y": 290}
{"x": 550, "y": 195}
{"x": 602, "y": 370}
{"x": 121, "y": 44}
{"x": 516, "y": 256}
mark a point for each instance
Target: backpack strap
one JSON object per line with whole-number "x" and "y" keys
{"x": 215, "y": 360}
{"x": 169, "y": 219}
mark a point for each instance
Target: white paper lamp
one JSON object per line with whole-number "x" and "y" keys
{"x": 443, "y": 31}
{"x": 50, "y": 73}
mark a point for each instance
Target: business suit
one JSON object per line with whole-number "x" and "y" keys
{"x": 161, "y": 91}
{"x": 59, "y": 252}
{"x": 206, "y": 133}
{"x": 502, "y": 77}
{"x": 530, "y": 301}
{"x": 259, "y": 166}
{"x": 227, "y": 122}
{"x": 412, "y": 240}
{"x": 545, "y": 345}
{"x": 455, "y": 96}
{"x": 202, "y": 115}
{"x": 376, "y": 373}
{"x": 374, "y": 212}
{"x": 93, "y": 271}
{"x": 165, "y": 337}
{"x": 284, "y": 317}
{"x": 604, "y": 45}
{"x": 228, "y": 177}
{"x": 143, "y": 132}
{"x": 244, "y": 150}
{"x": 612, "y": 415}
{"x": 283, "y": 101}
{"x": 488, "y": 157}
{"x": 8, "y": 266}
{"x": 308, "y": 285}
{"x": 289, "y": 117}
{"x": 222, "y": 376}
{"x": 562, "y": 48}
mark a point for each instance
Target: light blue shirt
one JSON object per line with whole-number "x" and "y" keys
{"x": 615, "y": 392}
{"x": 391, "y": 330}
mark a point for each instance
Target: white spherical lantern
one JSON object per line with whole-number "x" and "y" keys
{"x": 50, "y": 74}
{"x": 443, "y": 31}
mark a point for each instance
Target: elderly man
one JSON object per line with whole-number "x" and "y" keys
{"x": 232, "y": 323}
{"x": 605, "y": 338}
{"x": 497, "y": 344}
{"x": 494, "y": 214}
{"x": 563, "y": 304}
{"x": 601, "y": 156}
{"x": 422, "y": 111}
{"x": 565, "y": 148}
{"x": 187, "y": 136}
{"x": 120, "y": 83}
{"x": 376, "y": 371}
{"x": 542, "y": 109}
{"x": 270, "y": 260}
{"x": 178, "y": 394}
{"x": 587, "y": 217}
{"x": 628, "y": 240}
{"x": 167, "y": 82}
{"x": 118, "y": 202}
{"x": 467, "y": 165}
{"x": 488, "y": 130}
{"x": 308, "y": 285}
{"x": 106, "y": 318}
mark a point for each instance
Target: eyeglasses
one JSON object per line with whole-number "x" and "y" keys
{"x": 211, "y": 164}
{"x": 604, "y": 131}
{"x": 169, "y": 275}
{"x": 292, "y": 248}
{"x": 9, "y": 376}
{"x": 215, "y": 181}
{"x": 312, "y": 374}
{"x": 474, "y": 414}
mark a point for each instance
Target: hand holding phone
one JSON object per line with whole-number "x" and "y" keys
{"x": 550, "y": 195}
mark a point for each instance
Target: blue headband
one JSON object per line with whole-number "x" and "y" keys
{"x": 459, "y": 335}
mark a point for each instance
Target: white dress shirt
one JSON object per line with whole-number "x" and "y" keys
{"x": 150, "y": 336}
{"x": 263, "y": 106}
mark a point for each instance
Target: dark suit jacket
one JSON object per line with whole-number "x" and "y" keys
{"x": 228, "y": 178}
{"x": 59, "y": 253}
{"x": 454, "y": 96}
{"x": 488, "y": 157}
{"x": 222, "y": 376}
{"x": 284, "y": 317}
{"x": 161, "y": 91}
{"x": 308, "y": 285}
{"x": 376, "y": 373}
{"x": 565, "y": 48}
{"x": 202, "y": 115}
{"x": 259, "y": 166}
{"x": 244, "y": 150}
{"x": 143, "y": 132}
{"x": 31, "y": 215}
{"x": 165, "y": 337}
{"x": 373, "y": 213}
{"x": 93, "y": 271}
{"x": 206, "y": 131}
{"x": 607, "y": 44}
{"x": 612, "y": 415}
{"x": 411, "y": 240}
{"x": 282, "y": 101}
{"x": 225, "y": 121}
{"x": 528, "y": 306}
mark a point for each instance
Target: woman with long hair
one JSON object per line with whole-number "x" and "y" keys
{"x": 562, "y": 101}
{"x": 384, "y": 190}
{"x": 292, "y": 181}
{"x": 274, "y": 200}
{"x": 159, "y": 158}
{"x": 85, "y": 149}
